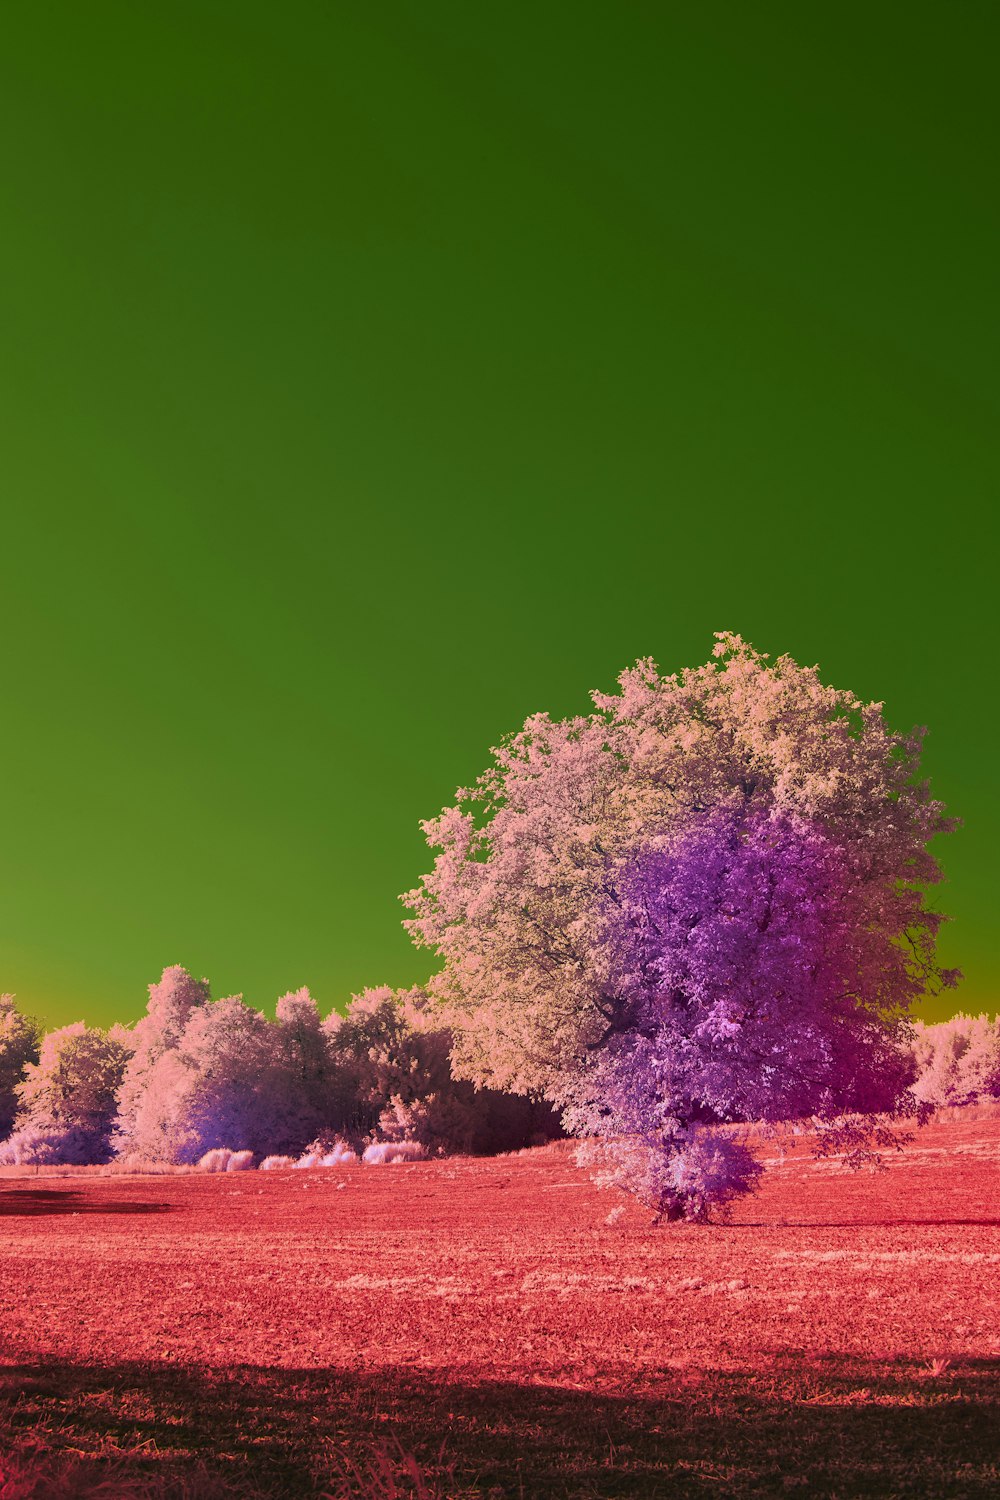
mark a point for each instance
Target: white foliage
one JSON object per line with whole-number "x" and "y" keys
{"x": 216, "y": 1160}
{"x": 341, "y": 1153}
{"x": 957, "y": 1061}
{"x": 380, "y": 1152}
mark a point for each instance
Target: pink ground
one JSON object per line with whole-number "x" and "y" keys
{"x": 505, "y": 1271}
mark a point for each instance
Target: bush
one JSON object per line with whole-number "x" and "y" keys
{"x": 681, "y": 1179}
{"x": 339, "y": 1154}
{"x": 240, "y": 1161}
{"x": 47, "y": 1146}
{"x": 216, "y": 1160}
{"x": 276, "y": 1163}
{"x": 311, "y": 1159}
{"x": 392, "y": 1151}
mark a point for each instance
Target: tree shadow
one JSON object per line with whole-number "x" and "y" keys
{"x": 825, "y": 1428}
{"x": 40, "y": 1202}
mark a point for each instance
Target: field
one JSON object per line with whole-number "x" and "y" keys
{"x": 478, "y": 1328}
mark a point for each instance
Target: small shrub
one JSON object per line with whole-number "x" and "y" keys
{"x": 240, "y": 1161}
{"x": 394, "y": 1151}
{"x": 216, "y": 1160}
{"x": 338, "y": 1156}
{"x": 310, "y": 1159}
{"x": 679, "y": 1179}
{"x": 47, "y": 1146}
{"x": 276, "y": 1163}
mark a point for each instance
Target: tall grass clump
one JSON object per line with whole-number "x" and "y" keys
{"x": 216, "y": 1160}
{"x": 392, "y": 1151}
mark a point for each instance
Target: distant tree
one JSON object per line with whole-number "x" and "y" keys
{"x": 73, "y": 1089}
{"x": 216, "y": 1087}
{"x": 399, "y": 1069}
{"x": 19, "y": 1042}
{"x": 172, "y": 1000}
{"x": 957, "y": 1061}
{"x": 207, "y": 1075}
{"x": 313, "y": 1088}
{"x": 704, "y": 900}
{"x": 396, "y": 1055}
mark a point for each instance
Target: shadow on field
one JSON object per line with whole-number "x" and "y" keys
{"x": 32, "y": 1202}
{"x": 833, "y": 1427}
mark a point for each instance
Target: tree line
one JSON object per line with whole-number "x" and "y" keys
{"x": 705, "y": 901}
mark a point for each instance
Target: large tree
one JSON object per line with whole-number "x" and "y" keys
{"x": 705, "y": 900}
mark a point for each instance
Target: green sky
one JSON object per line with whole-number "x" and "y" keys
{"x": 374, "y": 375}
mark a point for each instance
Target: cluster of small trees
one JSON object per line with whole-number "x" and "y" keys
{"x": 703, "y": 902}
{"x": 957, "y": 1061}
{"x": 196, "y": 1075}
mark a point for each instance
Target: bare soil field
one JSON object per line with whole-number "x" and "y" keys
{"x": 471, "y": 1327}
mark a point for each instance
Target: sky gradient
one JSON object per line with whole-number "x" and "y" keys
{"x": 376, "y": 376}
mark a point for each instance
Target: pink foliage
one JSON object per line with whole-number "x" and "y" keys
{"x": 392, "y": 1151}
{"x": 47, "y": 1146}
{"x": 957, "y": 1061}
{"x": 172, "y": 1001}
{"x": 73, "y": 1088}
{"x": 706, "y": 899}
{"x": 207, "y": 1074}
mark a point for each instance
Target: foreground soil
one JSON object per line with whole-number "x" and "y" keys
{"x": 477, "y": 1327}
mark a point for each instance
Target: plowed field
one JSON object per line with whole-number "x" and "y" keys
{"x": 272, "y": 1331}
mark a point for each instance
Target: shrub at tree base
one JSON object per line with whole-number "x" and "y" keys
{"x": 221, "y": 1159}
{"x": 702, "y": 1172}
{"x": 340, "y": 1155}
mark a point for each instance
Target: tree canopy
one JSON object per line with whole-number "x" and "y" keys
{"x": 704, "y": 900}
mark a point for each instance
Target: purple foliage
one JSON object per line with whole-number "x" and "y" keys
{"x": 736, "y": 956}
